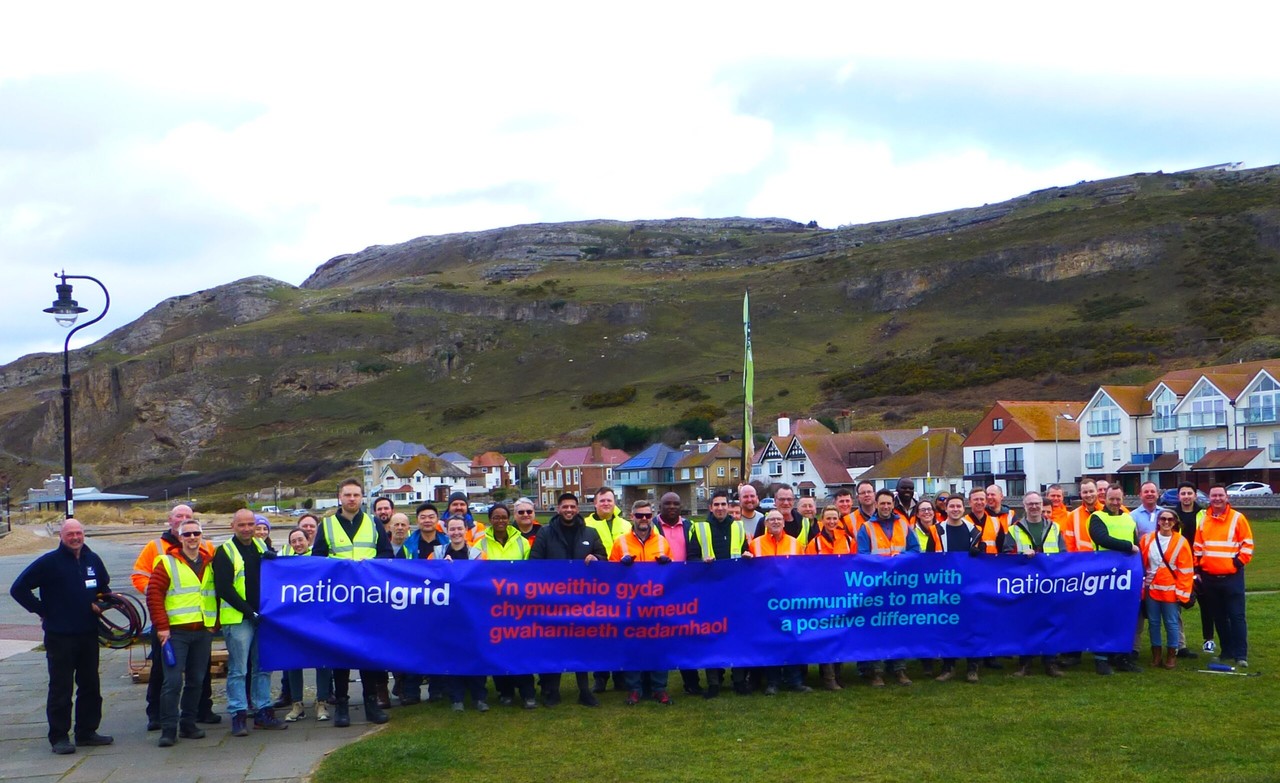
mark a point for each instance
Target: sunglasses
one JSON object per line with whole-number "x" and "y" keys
{"x": 192, "y": 534}
{"x": 1168, "y": 518}
{"x": 638, "y": 515}
{"x": 524, "y": 511}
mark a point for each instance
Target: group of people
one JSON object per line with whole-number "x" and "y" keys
{"x": 193, "y": 588}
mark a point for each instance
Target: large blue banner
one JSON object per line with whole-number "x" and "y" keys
{"x": 479, "y": 617}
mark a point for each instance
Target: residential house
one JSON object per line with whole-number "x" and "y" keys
{"x": 375, "y": 460}
{"x": 421, "y": 479}
{"x": 934, "y": 461}
{"x": 712, "y": 465}
{"x": 581, "y": 470}
{"x": 653, "y": 473}
{"x": 1206, "y": 425}
{"x": 1024, "y": 445}
{"x": 815, "y": 461}
{"x": 493, "y": 470}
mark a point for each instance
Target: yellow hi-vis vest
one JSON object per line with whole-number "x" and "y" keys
{"x": 229, "y": 614}
{"x": 737, "y": 537}
{"x": 1026, "y": 545}
{"x": 365, "y": 545}
{"x": 190, "y": 599}
{"x": 1119, "y": 526}
{"x": 516, "y": 548}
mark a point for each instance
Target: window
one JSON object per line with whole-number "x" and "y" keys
{"x": 1093, "y": 457}
{"x": 1016, "y": 488}
{"x": 1155, "y": 446}
{"x": 1163, "y": 405}
{"x": 797, "y": 466}
{"x": 1115, "y": 449}
{"x": 1253, "y": 440}
{"x": 997, "y": 425}
{"x": 720, "y": 472}
{"x": 1208, "y": 409}
{"x": 1195, "y": 449}
{"x": 735, "y": 471}
{"x": 1013, "y": 461}
{"x": 608, "y": 475}
{"x": 775, "y": 467}
{"x": 684, "y": 474}
{"x": 699, "y": 473}
{"x": 1104, "y": 419}
{"x": 981, "y": 462}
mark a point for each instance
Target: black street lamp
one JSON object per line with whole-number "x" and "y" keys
{"x": 65, "y": 311}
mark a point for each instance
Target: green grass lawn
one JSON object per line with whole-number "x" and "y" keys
{"x": 1157, "y": 726}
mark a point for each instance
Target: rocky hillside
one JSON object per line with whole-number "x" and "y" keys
{"x": 501, "y": 337}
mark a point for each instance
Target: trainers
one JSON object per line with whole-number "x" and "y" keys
{"x": 587, "y": 699}
{"x": 322, "y": 711}
{"x": 531, "y": 704}
{"x": 239, "y": 725}
{"x": 633, "y": 699}
{"x": 945, "y": 675}
{"x": 771, "y": 690}
{"x": 191, "y": 732}
{"x": 903, "y": 679}
{"x": 506, "y": 701}
{"x": 265, "y": 719}
{"x": 1187, "y": 653}
{"x": 800, "y": 688}
{"x": 459, "y": 707}
{"x": 1101, "y": 666}
{"x": 63, "y": 747}
{"x": 482, "y": 706}
{"x": 168, "y": 738}
{"x": 94, "y": 739}
{"x": 1209, "y": 647}
{"x": 662, "y": 697}
{"x": 1242, "y": 663}
{"x": 295, "y": 713}
{"x": 210, "y": 717}
{"x": 971, "y": 675}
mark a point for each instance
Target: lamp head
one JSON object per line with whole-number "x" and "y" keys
{"x": 65, "y": 310}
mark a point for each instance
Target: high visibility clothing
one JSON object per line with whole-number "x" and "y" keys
{"x": 190, "y": 598}
{"x": 1026, "y": 542}
{"x": 146, "y": 562}
{"x": 610, "y": 529}
{"x": 1059, "y": 515}
{"x": 1220, "y": 539}
{"x": 1167, "y": 585}
{"x": 516, "y": 548}
{"x": 363, "y": 547}
{"x": 883, "y": 545}
{"x": 1076, "y": 532}
{"x": 918, "y": 530}
{"x": 992, "y": 527}
{"x": 702, "y": 532}
{"x": 768, "y": 546}
{"x": 287, "y": 551}
{"x": 940, "y": 540}
{"x": 473, "y": 533}
{"x": 650, "y": 549}
{"x": 840, "y": 543}
{"x": 854, "y": 520}
{"x": 228, "y": 613}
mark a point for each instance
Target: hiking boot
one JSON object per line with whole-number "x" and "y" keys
{"x": 168, "y": 738}
{"x": 240, "y": 724}
{"x": 828, "y": 673}
{"x": 1101, "y": 666}
{"x": 94, "y": 739}
{"x": 877, "y": 680}
{"x": 191, "y": 732}
{"x": 902, "y": 677}
{"x": 946, "y": 674}
{"x": 1170, "y": 658}
{"x": 341, "y": 714}
{"x": 1052, "y": 669}
{"x": 372, "y": 712}
{"x": 588, "y": 699}
{"x": 265, "y": 719}
{"x": 296, "y": 712}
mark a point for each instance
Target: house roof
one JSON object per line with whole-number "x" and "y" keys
{"x": 1221, "y": 459}
{"x": 582, "y": 455}
{"x": 1161, "y": 464}
{"x": 657, "y": 456}
{"x": 402, "y": 448}
{"x": 489, "y": 459}
{"x": 453, "y": 456}
{"x": 936, "y": 452}
{"x": 829, "y": 454}
{"x": 429, "y": 466}
{"x": 1131, "y": 399}
{"x": 1037, "y": 418}
{"x": 701, "y": 459}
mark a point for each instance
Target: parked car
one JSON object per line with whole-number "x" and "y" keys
{"x": 767, "y": 504}
{"x": 478, "y": 508}
{"x": 1169, "y": 498}
{"x": 297, "y": 512}
{"x": 270, "y": 509}
{"x": 1246, "y": 488}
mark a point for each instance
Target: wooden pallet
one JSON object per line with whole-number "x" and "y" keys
{"x": 141, "y": 672}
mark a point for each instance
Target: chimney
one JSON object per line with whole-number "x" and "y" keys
{"x": 784, "y": 425}
{"x": 596, "y": 457}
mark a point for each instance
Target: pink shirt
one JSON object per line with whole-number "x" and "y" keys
{"x": 675, "y": 538}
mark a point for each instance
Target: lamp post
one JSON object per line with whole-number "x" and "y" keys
{"x": 1057, "y": 465}
{"x": 65, "y": 311}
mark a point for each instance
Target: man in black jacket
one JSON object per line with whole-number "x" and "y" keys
{"x": 70, "y": 579}
{"x": 567, "y": 537}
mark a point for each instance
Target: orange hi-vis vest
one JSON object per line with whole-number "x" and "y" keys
{"x": 650, "y": 549}
{"x": 473, "y": 534}
{"x": 940, "y": 541}
{"x": 768, "y": 546}
{"x": 841, "y": 543}
{"x": 992, "y": 526}
{"x": 146, "y": 562}
{"x": 1168, "y": 586}
{"x": 1075, "y": 533}
{"x": 854, "y": 520}
{"x": 1220, "y": 539}
{"x": 887, "y": 547}
{"x": 1059, "y": 515}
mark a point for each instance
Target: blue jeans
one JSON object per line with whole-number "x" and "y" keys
{"x": 1166, "y": 611}
{"x": 657, "y": 680}
{"x": 242, "y": 654}
{"x": 183, "y": 682}
{"x": 324, "y": 678}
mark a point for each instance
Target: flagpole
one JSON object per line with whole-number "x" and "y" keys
{"x": 748, "y": 391}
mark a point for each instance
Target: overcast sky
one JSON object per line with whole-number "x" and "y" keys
{"x": 173, "y": 147}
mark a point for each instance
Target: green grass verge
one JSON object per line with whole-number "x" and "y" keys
{"x": 1157, "y": 726}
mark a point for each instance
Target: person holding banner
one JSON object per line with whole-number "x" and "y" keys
{"x": 567, "y": 537}
{"x": 1034, "y": 534}
{"x": 885, "y": 534}
{"x": 749, "y": 503}
{"x": 642, "y": 545}
{"x": 611, "y": 525}
{"x": 1076, "y": 530}
{"x": 351, "y": 534}
{"x": 526, "y": 519}
{"x": 831, "y": 539}
{"x": 719, "y": 537}
{"x": 776, "y": 542}
{"x": 1113, "y": 529}
{"x": 426, "y": 542}
{"x": 502, "y": 542}
{"x": 957, "y": 534}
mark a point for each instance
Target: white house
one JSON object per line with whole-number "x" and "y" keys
{"x": 1024, "y": 445}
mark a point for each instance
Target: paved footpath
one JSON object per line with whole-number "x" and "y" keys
{"x": 268, "y": 756}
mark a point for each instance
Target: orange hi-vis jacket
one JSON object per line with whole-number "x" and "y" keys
{"x": 146, "y": 562}
{"x": 650, "y": 549}
{"x": 1221, "y": 539}
{"x": 854, "y": 520}
{"x": 940, "y": 541}
{"x": 1168, "y": 586}
{"x": 1075, "y": 531}
{"x": 768, "y": 546}
{"x": 473, "y": 534}
{"x": 992, "y": 526}
{"x": 840, "y": 543}
{"x": 884, "y": 546}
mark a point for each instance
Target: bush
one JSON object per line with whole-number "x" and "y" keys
{"x": 705, "y": 411}
{"x": 625, "y": 437}
{"x": 609, "y": 399}
{"x": 680, "y": 391}
{"x": 460, "y": 413}
{"x": 370, "y": 427}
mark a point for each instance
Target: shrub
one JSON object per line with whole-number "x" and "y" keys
{"x": 460, "y": 413}
{"x": 609, "y": 399}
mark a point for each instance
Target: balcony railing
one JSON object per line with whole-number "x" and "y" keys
{"x": 1093, "y": 461}
{"x": 1257, "y": 415}
{"x": 1011, "y": 466}
{"x": 1103, "y": 427}
{"x": 1202, "y": 420}
{"x": 1166, "y": 423}
{"x": 977, "y": 468}
{"x": 1190, "y": 456}
{"x": 1144, "y": 458}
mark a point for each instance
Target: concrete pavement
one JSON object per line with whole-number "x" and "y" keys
{"x": 263, "y": 756}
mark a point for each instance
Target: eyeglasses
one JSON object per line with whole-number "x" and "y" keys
{"x": 524, "y": 511}
{"x": 640, "y": 515}
{"x": 192, "y": 534}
